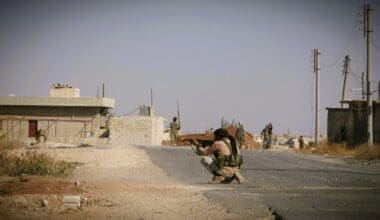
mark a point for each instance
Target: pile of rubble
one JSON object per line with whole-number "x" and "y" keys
{"x": 249, "y": 142}
{"x": 208, "y": 137}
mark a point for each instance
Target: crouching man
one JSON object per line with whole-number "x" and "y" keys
{"x": 227, "y": 160}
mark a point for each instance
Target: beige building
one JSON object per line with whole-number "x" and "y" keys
{"x": 64, "y": 116}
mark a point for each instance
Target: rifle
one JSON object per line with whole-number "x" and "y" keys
{"x": 179, "y": 119}
{"x": 196, "y": 143}
{"x": 195, "y": 149}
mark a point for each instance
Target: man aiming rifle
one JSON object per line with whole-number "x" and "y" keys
{"x": 225, "y": 165}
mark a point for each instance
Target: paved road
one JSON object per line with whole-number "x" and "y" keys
{"x": 295, "y": 186}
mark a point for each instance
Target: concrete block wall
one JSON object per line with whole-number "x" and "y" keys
{"x": 64, "y": 92}
{"x": 139, "y": 130}
{"x": 13, "y": 129}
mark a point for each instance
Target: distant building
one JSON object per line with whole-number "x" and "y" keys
{"x": 350, "y": 124}
{"x": 64, "y": 116}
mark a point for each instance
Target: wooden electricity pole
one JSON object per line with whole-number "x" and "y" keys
{"x": 368, "y": 34}
{"x": 345, "y": 72}
{"x": 363, "y": 87}
{"x": 317, "y": 69}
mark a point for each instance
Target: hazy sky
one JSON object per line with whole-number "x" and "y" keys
{"x": 245, "y": 60}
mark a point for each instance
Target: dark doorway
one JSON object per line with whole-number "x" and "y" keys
{"x": 32, "y": 128}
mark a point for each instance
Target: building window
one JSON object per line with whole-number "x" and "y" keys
{"x": 32, "y": 129}
{"x": 1, "y": 125}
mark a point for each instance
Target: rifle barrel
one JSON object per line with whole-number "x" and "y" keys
{"x": 179, "y": 119}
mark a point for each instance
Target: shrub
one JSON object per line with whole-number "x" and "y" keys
{"x": 7, "y": 145}
{"x": 339, "y": 149}
{"x": 32, "y": 163}
{"x": 364, "y": 152}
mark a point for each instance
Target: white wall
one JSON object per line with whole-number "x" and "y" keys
{"x": 139, "y": 130}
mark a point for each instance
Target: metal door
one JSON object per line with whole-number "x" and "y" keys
{"x": 32, "y": 128}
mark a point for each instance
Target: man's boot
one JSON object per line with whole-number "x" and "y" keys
{"x": 240, "y": 178}
{"x": 217, "y": 180}
{"x": 229, "y": 179}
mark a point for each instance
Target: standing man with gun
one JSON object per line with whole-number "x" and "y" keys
{"x": 174, "y": 127}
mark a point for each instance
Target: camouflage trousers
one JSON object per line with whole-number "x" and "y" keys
{"x": 173, "y": 137}
{"x": 211, "y": 166}
{"x": 266, "y": 142}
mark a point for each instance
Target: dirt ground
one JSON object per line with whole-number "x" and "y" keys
{"x": 114, "y": 182}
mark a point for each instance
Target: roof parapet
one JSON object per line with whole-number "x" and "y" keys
{"x": 58, "y": 101}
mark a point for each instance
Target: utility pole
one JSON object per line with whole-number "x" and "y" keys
{"x": 368, "y": 34}
{"x": 151, "y": 107}
{"x": 317, "y": 69}
{"x": 345, "y": 72}
{"x": 363, "y": 88}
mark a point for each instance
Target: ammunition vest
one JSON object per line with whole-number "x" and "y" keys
{"x": 174, "y": 126}
{"x": 233, "y": 160}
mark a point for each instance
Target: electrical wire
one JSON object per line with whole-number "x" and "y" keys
{"x": 356, "y": 75}
{"x": 134, "y": 110}
{"x": 377, "y": 47}
{"x": 352, "y": 32}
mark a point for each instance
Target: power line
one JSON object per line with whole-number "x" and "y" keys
{"x": 134, "y": 110}
{"x": 356, "y": 75}
{"x": 352, "y": 32}
{"x": 377, "y": 47}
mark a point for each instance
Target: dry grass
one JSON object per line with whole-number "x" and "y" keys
{"x": 367, "y": 153}
{"x": 9, "y": 145}
{"x": 362, "y": 152}
{"x": 31, "y": 162}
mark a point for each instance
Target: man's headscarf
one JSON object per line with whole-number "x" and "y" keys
{"x": 221, "y": 133}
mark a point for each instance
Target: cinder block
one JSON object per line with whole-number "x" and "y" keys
{"x": 71, "y": 202}
{"x": 71, "y": 199}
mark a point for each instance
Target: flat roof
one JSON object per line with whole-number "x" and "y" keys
{"x": 58, "y": 101}
{"x": 375, "y": 101}
{"x": 337, "y": 108}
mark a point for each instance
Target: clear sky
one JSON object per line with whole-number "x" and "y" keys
{"x": 245, "y": 60}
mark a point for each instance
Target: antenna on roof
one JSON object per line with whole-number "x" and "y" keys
{"x": 103, "y": 90}
{"x": 151, "y": 97}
